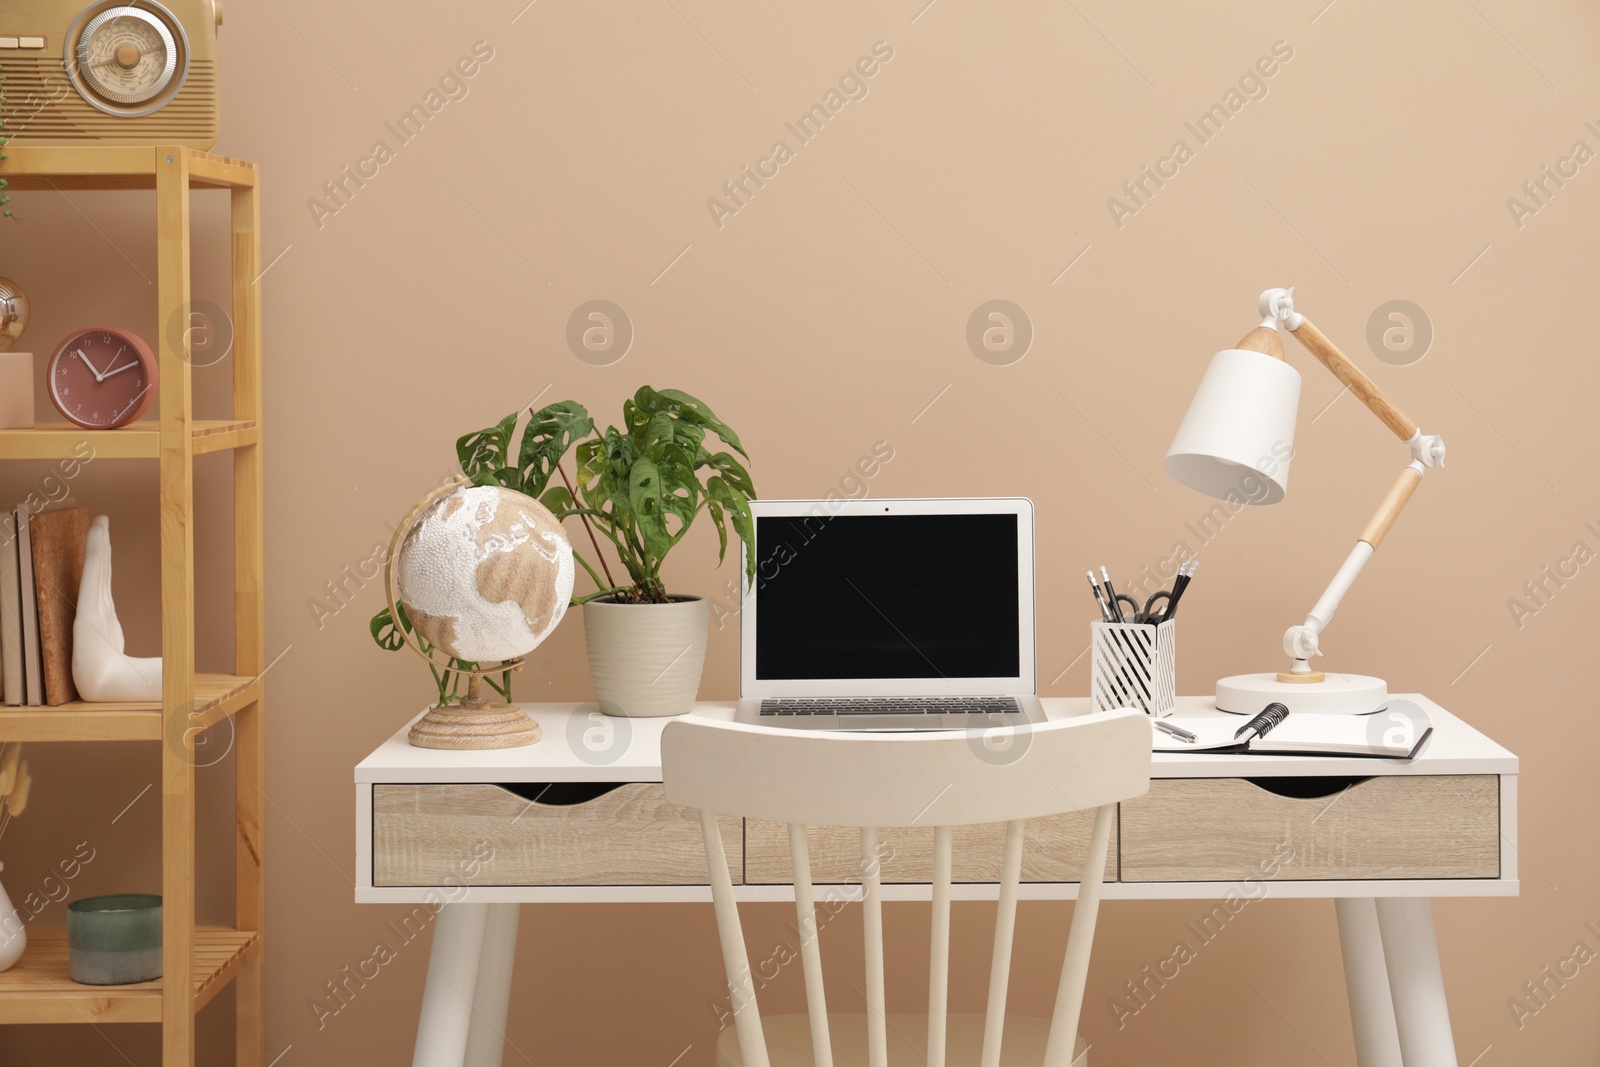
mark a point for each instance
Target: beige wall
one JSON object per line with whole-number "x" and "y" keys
{"x": 828, "y": 314}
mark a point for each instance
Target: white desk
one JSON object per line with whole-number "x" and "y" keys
{"x": 463, "y": 832}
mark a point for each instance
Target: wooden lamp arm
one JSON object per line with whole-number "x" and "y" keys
{"x": 1365, "y": 389}
{"x": 1394, "y": 502}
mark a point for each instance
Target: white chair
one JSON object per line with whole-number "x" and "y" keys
{"x": 870, "y": 781}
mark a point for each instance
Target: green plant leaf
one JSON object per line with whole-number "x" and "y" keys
{"x": 591, "y": 475}
{"x": 590, "y": 455}
{"x": 386, "y": 633}
{"x": 485, "y": 455}
{"x": 732, "y": 470}
{"x": 737, "y": 503}
{"x": 611, "y": 466}
{"x": 549, "y": 435}
{"x": 648, "y": 501}
{"x": 695, "y": 411}
{"x": 714, "y": 509}
{"x": 558, "y": 500}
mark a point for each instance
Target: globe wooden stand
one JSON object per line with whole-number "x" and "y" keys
{"x": 474, "y": 723}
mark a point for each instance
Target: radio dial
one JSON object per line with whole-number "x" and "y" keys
{"x": 127, "y": 59}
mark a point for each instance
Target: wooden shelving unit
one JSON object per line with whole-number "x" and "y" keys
{"x": 197, "y": 960}
{"x": 39, "y": 990}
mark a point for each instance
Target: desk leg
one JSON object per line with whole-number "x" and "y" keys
{"x": 452, "y": 978}
{"x": 1416, "y": 982}
{"x": 1366, "y": 979}
{"x": 486, "y": 1040}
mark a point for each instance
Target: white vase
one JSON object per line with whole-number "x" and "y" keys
{"x": 13, "y": 934}
{"x": 645, "y": 659}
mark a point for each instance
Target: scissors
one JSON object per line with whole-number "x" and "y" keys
{"x": 1149, "y": 615}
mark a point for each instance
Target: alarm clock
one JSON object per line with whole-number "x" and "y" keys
{"x": 102, "y": 378}
{"x": 109, "y": 72}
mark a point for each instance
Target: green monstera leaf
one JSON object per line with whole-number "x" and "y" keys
{"x": 485, "y": 455}
{"x": 386, "y": 633}
{"x": 550, "y": 435}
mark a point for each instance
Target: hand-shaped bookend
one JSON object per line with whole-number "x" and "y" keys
{"x": 100, "y": 670}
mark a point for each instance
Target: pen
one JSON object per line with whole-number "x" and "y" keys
{"x": 1185, "y": 576}
{"x": 1111, "y": 595}
{"x": 1099, "y": 598}
{"x": 1176, "y": 731}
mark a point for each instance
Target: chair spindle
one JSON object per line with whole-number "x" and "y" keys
{"x": 746, "y": 1016}
{"x": 1005, "y": 923}
{"x": 1080, "y": 937}
{"x": 872, "y": 934}
{"x": 805, "y": 907}
{"x": 939, "y": 948}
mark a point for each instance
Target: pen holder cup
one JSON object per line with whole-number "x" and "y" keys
{"x": 1133, "y": 665}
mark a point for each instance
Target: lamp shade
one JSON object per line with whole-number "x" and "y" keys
{"x": 1238, "y": 436}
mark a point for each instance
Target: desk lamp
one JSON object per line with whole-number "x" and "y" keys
{"x": 1239, "y": 433}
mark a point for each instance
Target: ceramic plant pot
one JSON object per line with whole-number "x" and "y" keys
{"x": 13, "y": 935}
{"x": 645, "y": 659}
{"x": 114, "y": 940}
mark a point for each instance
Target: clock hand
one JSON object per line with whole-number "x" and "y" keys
{"x": 98, "y": 377}
{"x": 135, "y": 400}
{"x": 119, "y": 370}
{"x": 112, "y": 362}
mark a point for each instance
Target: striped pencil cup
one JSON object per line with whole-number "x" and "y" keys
{"x": 1133, "y": 665}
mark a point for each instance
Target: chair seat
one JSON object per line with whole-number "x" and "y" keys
{"x": 789, "y": 1041}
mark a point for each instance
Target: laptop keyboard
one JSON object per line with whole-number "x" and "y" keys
{"x": 890, "y": 706}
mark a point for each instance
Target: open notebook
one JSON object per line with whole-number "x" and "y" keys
{"x": 1397, "y": 732}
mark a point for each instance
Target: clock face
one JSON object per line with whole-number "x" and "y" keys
{"x": 102, "y": 378}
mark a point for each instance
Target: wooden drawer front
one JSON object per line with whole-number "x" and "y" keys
{"x": 480, "y": 834}
{"x": 1053, "y": 850}
{"x": 1227, "y": 829}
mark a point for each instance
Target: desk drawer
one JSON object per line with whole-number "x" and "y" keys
{"x": 1053, "y": 850}
{"x": 483, "y": 834}
{"x": 1396, "y": 826}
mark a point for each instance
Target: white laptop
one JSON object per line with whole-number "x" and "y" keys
{"x": 889, "y": 615}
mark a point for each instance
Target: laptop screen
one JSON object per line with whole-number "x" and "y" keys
{"x": 887, "y": 596}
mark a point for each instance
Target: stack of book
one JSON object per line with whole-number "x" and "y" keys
{"x": 41, "y": 567}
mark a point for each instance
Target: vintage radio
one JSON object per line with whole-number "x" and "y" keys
{"x": 111, "y": 73}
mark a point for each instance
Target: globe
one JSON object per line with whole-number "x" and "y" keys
{"x": 485, "y": 573}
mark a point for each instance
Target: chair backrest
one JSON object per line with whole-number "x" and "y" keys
{"x": 940, "y": 780}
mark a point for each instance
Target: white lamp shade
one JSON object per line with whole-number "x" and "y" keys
{"x": 1238, "y": 436}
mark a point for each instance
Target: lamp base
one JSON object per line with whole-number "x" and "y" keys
{"x": 1337, "y": 694}
{"x": 474, "y": 724}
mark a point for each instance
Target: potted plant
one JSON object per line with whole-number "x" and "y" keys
{"x": 640, "y": 488}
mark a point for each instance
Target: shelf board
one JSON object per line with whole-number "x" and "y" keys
{"x": 218, "y": 435}
{"x": 217, "y": 696}
{"x": 115, "y": 167}
{"x": 141, "y": 440}
{"x": 39, "y": 989}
